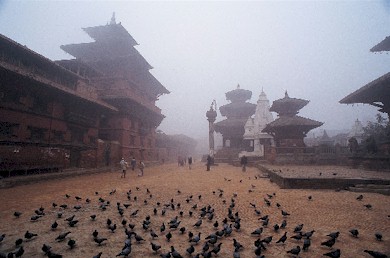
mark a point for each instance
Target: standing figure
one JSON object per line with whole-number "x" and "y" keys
{"x": 208, "y": 163}
{"x": 123, "y": 164}
{"x": 141, "y": 167}
{"x": 244, "y": 162}
{"x": 190, "y": 162}
{"x": 133, "y": 164}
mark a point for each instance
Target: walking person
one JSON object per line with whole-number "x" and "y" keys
{"x": 123, "y": 165}
{"x": 190, "y": 162}
{"x": 244, "y": 162}
{"x": 141, "y": 167}
{"x": 133, "y": 163}
{"x": 208, "y": 162}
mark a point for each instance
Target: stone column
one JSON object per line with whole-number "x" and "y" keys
{"x": 211, "y": 116}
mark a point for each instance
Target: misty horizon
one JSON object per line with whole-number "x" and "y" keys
{"x": 317, "y": 51}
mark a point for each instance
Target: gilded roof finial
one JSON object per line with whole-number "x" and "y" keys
{"x": 286, "y": 94}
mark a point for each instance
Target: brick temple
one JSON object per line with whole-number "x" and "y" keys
{"x": 85, "y": 112}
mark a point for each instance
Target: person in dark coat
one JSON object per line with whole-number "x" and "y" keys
{"x": 244, "y": 162}
{"x": 208, "y": 162}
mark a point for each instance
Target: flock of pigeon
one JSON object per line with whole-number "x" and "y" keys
{"x": 185, "y": 225}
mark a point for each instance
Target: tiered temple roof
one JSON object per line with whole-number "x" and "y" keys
{"x": 237, "y": 113}
{"x": 120, "y": 73}
{"x": 290, "y": 129}
{"x": 375, "y": 93}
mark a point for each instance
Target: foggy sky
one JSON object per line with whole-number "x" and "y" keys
{"x": 316, "y": 50}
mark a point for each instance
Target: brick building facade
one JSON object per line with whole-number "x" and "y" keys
{"x": 85, "y": 112}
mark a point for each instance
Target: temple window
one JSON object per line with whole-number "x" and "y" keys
{"x": 7, "y": 130}
{"x": 36, "y": 133}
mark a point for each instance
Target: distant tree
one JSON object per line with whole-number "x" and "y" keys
{"x": 376, "y": 133}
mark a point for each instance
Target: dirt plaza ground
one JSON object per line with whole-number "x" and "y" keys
{"x": 171, "y": 190}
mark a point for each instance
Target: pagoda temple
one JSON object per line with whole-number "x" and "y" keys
{"x": 121, "y": 77}
{"x": 237, "y": 113}
{"x": 289, "y": 129}
{"x": 86, "y": 112}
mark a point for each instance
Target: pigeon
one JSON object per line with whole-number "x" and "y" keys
{"x": 19, "y": 252}
{"x": 50, "y": 254}
{"x": 283, "y": 238}
{"x": 155, "y": 247}
{"x": 198, "y": 223}
{"x": 112, "y": 228}
{"x": 257, "y": 231}
{"x": 329, "y": 243}
{"x": 29, "y": 235}
{"x": 71, "y": 243}
{"x": 45, "y": 248}
{"x": 297, "y": 237}
{"x": 17, "y": 214}
{"x": 368, "y": 206}
{"x": 165, "y": 255}
{"x": 168, "y": 236}
{"x": 2, "y": 237}
{"x": 376, "y": 254}
{"x": 354, "y": 232}
{"x": 98, "y": 255}
{"x": 190, "y": 250}
{"x": 162, "y": 228}
{"x": 306, "y": 244}
{"x": 334, "y": 254}
{"x": 359, "y": 198}
{"x": 54, "y": 225}
{"x": 295, "y": 251}
{"x": 267, "y": 240}
{"x": 237, "y": 245}
{"x": 195, "y": 239}
{"x": 378, "y": 236}
{"x": 99, "y": 241}
{"x": 62, "y": 236}
{"x": 138, "y": 238}
{"x": 174, "y": 253}
{"x": 153, "y": 234}
{"x": 72, "y": 223}
{"x": 125, "y": 251}
{"x": 285, "y": 213}
{"x": 298, "y": 228}
{"x": 18, "y": 242}
{"x": 216, "y": 249}
{"x": 93, "y": 216}
{"x": 334, "y": 235}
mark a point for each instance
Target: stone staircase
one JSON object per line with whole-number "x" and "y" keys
{"x": 370, "y": 188}
{"x": 226, "y": 155}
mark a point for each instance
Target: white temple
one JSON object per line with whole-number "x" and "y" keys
{"x": 255, "y": 125}
{"x": 357, "y": 131}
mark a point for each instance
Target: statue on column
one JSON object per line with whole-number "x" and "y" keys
{"x": 211, "y": 116}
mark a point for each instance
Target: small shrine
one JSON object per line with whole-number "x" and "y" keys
{"x": 254, "y": 126}
{"x": 289, "y": 129}
{"x": 237, "y": 113}
{"x": 357, "y": 131}
{"x": 325, "y": 140}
